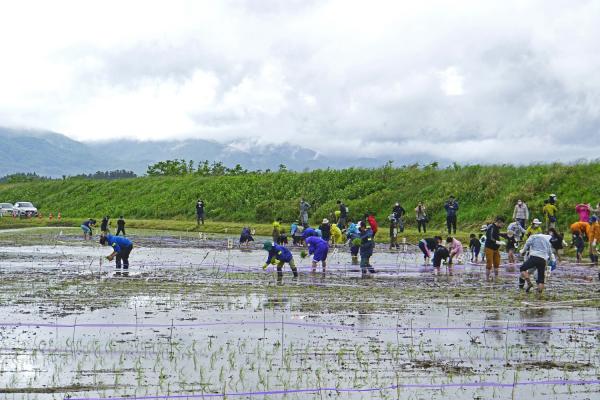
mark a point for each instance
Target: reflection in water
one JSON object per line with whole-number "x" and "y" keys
{"x": 531, "y": 317}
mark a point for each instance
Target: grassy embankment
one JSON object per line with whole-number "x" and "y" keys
{"x": 233, "y": 201}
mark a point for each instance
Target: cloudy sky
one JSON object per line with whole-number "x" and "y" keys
{"x": 504, "y": 81}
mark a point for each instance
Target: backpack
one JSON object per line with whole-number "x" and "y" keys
{"x": 373, "y": 224}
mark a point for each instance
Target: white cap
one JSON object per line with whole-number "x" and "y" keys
{"x": 325, "y": 221}
{"x": 536, "y": 222}
{"x": 483, "y": 228}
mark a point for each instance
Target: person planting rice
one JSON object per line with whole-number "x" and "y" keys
{"x": 474, "y": 247}
{"x": 246, "y": 236}
{"x": 455, "y": 248}
{"x": 296, "y": 233}
{"x": 86, "y": 227}
{"x": 579, "y": 245}
{"x": 492, "y": 246}
{"x": 367, "y": 244}
{"x": 583, "y": 228}
{"x": 539, "y": 252}
{"x": 557, "y": 242}
{"x": 121, "y": 247}
{"x": 308, "y": 232}
{"x": 279, "y": 255}
{"x": 593, "y": 239}
{"x": 325, "y": 228}
{"x": 427, "y": 246}
{"x": 511, "y": 246}
{"x": 440, "y": 254}
{"x": 336, "y": 235}
{"x": 104, "y": 224}
{"x": 318, "y": 248}
{"x": 517, "y": 230}
{"x": 533, "y": 229}
{"x": 353, "y": 236}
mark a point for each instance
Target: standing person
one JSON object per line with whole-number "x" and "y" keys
{"x": 353, "y": 236}
{"x": 318, "y": 248}
{"x": 343, "y": 215}
{"x": 594, "y": 239}
{"x": 86, "y": 227}
{"x": 121, "y": 226}
{"x": 511, "y": 246}
{"x": 428, "y": 246}
{"x": 279, "y": 255}
{"x": 517, "y": 230}
{"x": 304, "y": 206}
{"x": 200, "y": 212}
{"x": 455, "y": 248}
{"x": 492, "y": 246}
{"x": 474, "y": 247}
{"x": 579, "y": 245}
{"x": 104, "y": 224}
{"x": 393, "y": 231}
{"x": 121, "y": 249}
{"x": 521, "y": 213}
{"x": 533, "y": 229}
{"x": 552, "y": 199}
{"x": 540, "y": 253}
{"x": 584, "y": 211}
{"x": 482, "y": 239}
{"x": 325, "y": 228}
{"x": 440, "y": 253}
{"x": 399, "y": 212}
{"x": 451, "y": 207}
{"x": 421, "y": 212}
{"x": 549, "y": 211}
{"x": 367, "y": 244}
{"x": 556, "y": 240}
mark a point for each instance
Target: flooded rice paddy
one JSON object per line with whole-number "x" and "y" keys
{"x": 196, "y": 319}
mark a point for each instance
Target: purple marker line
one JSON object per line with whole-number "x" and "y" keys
{"x": 352, "y": 390}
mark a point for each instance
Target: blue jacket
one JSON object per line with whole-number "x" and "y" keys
{"x": 367, "y": 244}
{"x": 316, "y": 243}
{"x": 308, "y": 232}
{"x": 118, "y": 242}
{"x": 280, "y": 253}
{"x": 451, "y": 208}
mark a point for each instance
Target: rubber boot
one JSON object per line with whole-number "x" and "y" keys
{"x": 295, "y": 272}
{"x": 355, "y": 260}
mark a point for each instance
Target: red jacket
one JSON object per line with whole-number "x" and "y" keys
{"x": 373, "y": 223}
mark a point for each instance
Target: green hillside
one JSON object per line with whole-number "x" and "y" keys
{"x": 482, "y": 191}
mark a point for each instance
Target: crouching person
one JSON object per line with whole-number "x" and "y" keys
{"x": 121, "y": 247}
{"x": 540, "y": 254}
{"x": 279, "y": 255}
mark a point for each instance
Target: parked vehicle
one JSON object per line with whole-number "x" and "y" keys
{"x": 24, "y": 209}
{"x": 6, "y": 210}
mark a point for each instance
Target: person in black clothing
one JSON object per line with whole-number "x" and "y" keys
{"x": 199, "y": 212}
{"x": 440, "y": 253}
{"x": 121, "y": 226}
{"x": 399, "y": 212}
{"x": 492, "y": 246}
{"x": 104, "y": 224}
{"x": 556, "y": 241}
{"x": 343, "y": 215}
{"x": 511, "y": 246}
{"x": 451, "y": 207}
{"x": 475, "y": 247}
{"x": 393, "y": 232}
{"x": 579, "y": 244}
{"x": 428, "y": 246}
{"x": 325, "y": 228}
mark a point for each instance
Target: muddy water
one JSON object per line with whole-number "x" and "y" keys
{"x": 194, "y": 321}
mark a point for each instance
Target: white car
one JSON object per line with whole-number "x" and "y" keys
{"x": 24, "y": 209}
{"x": 6, "y": 210}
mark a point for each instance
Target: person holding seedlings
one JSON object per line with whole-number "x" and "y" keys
{"x": 584, "y": 211}
{"x": 86, "y": 227}
{"x": 428, "y": 246}
{"x": 440, "y": 254}
{"x": 318, "y": 248}
{"x": 325, "y": 228}
{"x": 521, "y": 213}
{"x": 474, "y": 247}
{"x": 279, "y": 255}
{"x": 579, "y": 244}
{"x": 421, "y": 213}
{"x": 200, "y": 212}
{"x": 246, "y": 236}
{"x": 540, "y": 254}
{"x": 367, "y": 244}
{"x": 308, "y": 232}
{"x": 549, "y": 211}
{"x": 336, "y": 235}
{"x": 121, "y": 247}
{"x": 533, "y": 229}
{"x": 104, "y": 224}
{"x": 511, "y": 246}
{"x": 455, "y": 248}
{"x": 304, "y": 207}
{"x": 492, "y": 246}
{"x": 121, "y": 226}
{"x": 594, "y": 239}
{"x": 451, "y": 207}
{"x": 296, "y": 231}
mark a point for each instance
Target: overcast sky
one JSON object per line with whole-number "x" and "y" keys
{"x": 470, "y": 80}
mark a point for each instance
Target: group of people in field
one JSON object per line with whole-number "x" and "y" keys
{"x": 120, "y": 245}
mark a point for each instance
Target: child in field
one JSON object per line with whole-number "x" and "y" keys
{"x": 475, "y": 247}
{"x": 511, "y": 246}
{"x": 279, "y": 255}
{"x": 428, "y": 246}
{"x": 318, "y": 248}
{"x": 246, "y": 237}
{"x": 579, "y": 244}
{"x": 367, "y": 244}
{"x": 120, "y": 226}
{"x": 86, "y": 227}
{"x": 455, "y": 248}
{"x": 439, "y": 254}
{"x": 482, "y": 239}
